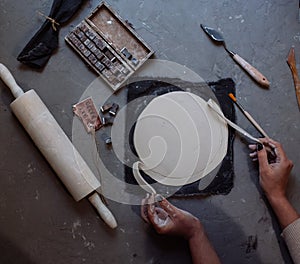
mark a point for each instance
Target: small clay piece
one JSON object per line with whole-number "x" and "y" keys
{"x": 106, "y": 139}
{"x": 106, "y": 107}
{"x": 114, "y": 109}
{"x": 107, "y": 121}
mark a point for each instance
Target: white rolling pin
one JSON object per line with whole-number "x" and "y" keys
{"x": 56, "y": 147}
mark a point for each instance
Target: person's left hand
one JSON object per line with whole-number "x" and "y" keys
{"x": 168, "y": 219}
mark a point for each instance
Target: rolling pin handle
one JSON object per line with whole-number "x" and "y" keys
{"x": 9, "y": 80}
{"x": 103, "y": 211}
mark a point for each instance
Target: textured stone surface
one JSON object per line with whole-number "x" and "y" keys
{"x": 39, "y": 220}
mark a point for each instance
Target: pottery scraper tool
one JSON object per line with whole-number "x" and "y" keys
{"x": 59, "y": 151}
{"x": 218, "y": 38}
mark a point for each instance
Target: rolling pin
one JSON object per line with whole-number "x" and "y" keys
{"x": 56, "y": 147}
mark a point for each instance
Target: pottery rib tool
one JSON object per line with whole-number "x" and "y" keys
{"x": 248, "y": 116}
{"x": 291, "y": 61}
{"x": 56, "y": 147}
{"x": 213, "y": 105}
{"x": 253, "y": 72}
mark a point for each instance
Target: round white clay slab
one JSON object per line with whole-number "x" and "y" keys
{"x": 179, "y": 139}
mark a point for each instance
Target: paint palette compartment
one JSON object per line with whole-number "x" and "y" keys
{"x": 109, "y": 45}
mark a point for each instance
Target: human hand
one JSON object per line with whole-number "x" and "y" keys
{"x": 273, "y": 176}
{"x": 168, "y": 219}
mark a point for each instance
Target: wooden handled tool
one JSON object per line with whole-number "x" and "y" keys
{"x": 213, "y": 105}
{"x": 248, "y": 116}
{"x": 217, "y": 37}
{"x": 253, "y": 72}
{"x": 54, "y": 144}
{"x": 291, "y": 61}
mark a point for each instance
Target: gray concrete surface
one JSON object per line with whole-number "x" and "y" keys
{"x": 39, "y": 220}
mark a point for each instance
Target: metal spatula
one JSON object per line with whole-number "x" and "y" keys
{"x": 253, "y": 72}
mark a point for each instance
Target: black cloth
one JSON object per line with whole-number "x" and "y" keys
{"x": 223, "y": 182}
{"x": 39, "y": 49}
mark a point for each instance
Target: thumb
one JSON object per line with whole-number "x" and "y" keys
{"x": 262, "y": 157}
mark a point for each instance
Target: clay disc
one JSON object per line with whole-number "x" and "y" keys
{"x": 179, "y": 139}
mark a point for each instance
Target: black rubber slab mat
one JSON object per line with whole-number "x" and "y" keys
{"x": 223, "y": 181}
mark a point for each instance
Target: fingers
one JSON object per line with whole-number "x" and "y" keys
{"x": 252, "y": 147}
{"x": 264, "y": 140}
{"x": 253, "y": 155}
{"x": 280, "y": 153}
{"x": 275, "y": 143}
{"x": 150, "y": 210}
{"x": 163, "y": 203}
{"x": 168, "y": 207}
{"x": 144, "y": 208}
{"x": 160, "y": 216}
{"x": 159, "y": 219}
{"x": 161, "y": 213}
{"x": 270, "y": 146}
{"x": 262, "y": 158}
{"x": 274, "y": 149}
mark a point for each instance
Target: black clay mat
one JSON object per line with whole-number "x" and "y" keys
{"x": 223, "y": 181}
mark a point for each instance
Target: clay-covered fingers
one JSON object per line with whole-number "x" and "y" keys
{"x": 150, "y": 208}
{"x": 159, "y": 219}
{"x": 146, "y": 204}
{"x": 144, "y": 208}
{"x": 161, "y": 213}
{"x": 168, "y": 207}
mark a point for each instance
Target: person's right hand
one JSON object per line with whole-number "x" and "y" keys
{"x": 273, "y": 176}
{"x": 168, "y": 219}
